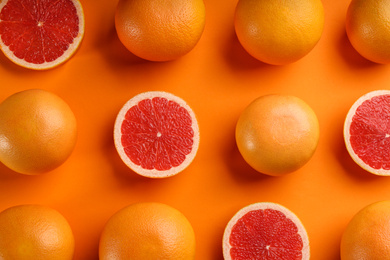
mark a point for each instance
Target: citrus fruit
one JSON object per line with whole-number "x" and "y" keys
{"x": 279, "y": 32}
{"x": 368, "y": 28}
{"x": 147, "y": 231}
{"x": 40, "y": 34}
{"x": 160, "y": 30}
{"x": 156, "y": 134}
{"x": 367, "y": 131}
{"x": 35, "y": 232}
{"x": 266, "y": 231}
{"x": 38, "y": 131}
{"x": 367, "y": 235}
{"x": 277, "y": 134}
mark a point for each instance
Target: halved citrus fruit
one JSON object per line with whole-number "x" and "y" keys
{"x": 367, "y": 132}
{"x": 265, "y": 230}
{"x": 156, "y": 134}
{"x": 40, "y": 34}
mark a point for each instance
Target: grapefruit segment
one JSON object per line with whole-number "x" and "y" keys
{"x": 367, "y": 132}
{"x": 40, "y": 34}
{"x": 156, "y": 134}
{"x": 267, "y": 231}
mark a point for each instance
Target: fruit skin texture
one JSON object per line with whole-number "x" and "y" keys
{"x": 279, "y": 32}
{"x": 277, "y": 134}
{"x": 35, "y": 232}
{"x": 368, "y": 29}
{"x": 160, "y": 30}
{"x": 147, "y": 231}
{"x": 367, "y": 235}
{"x": 38, "y": 131}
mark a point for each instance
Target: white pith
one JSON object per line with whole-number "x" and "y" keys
{"x": 63, "y": 58}
{"x": 347, "y": 135}
{"x": 153, "y": 173}
{"x": 261, "y": 206}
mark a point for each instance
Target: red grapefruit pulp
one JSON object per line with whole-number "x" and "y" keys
{"x": 40, "y": 34}
{"x": 156, "y": 134}
{"x": 266, "y": 231}
{"x": 367, "y": 132}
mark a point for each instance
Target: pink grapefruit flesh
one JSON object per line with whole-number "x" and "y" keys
{"x": 40, "y": 34}
{"x": 156, "y": 134}
{"x": 367, "y": 132}
{"x": 265, "y": 231}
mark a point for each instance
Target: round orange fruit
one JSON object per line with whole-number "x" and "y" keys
{"x": 265, "y": 230}
{"x": 367, "y": 235}
{"x": 35, "y": 232}
{"x": 40, "y": 40}
{"x": 147, "y": 231}
{"x": 368, "y": 28}
{"x": 279, "y": 32}
{"x": 156, "y": 134}
{"x": 38, "y": 131}
{"x": 367, "y": 131}
{"x": 160, "y": 30}
{"x": 277, "y": 134}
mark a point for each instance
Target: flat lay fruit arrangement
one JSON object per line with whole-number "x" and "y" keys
{"x": 194, "y": 129}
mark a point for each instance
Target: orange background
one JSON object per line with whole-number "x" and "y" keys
{"x": 218, "y": 79}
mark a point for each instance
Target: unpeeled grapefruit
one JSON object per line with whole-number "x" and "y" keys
{"x": 265, "y": 231}
{"x": 367, "y": 235}
{"x": 38, "y": 131}
{"x": 279, "y": 32}
{"x": 156, "y": 134}
{"x": 147, "y": 230}
{"x": 40, "y": 34}
{"x": 35, "y": 232}
{"x": 367, "y": 132}
{"x": 159, "y": 30}
{"x": 277, "y": 134}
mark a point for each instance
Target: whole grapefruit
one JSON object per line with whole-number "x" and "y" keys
{"x": 367, "y": 235}
{"x": 277, "y": 134}
{"x": 35, "y": 232}
{"x": 147, "y": 230}
{"x": 38, "y": 131}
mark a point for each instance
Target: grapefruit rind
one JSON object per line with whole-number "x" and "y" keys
{"x": 153, "y": 173}
{"x": 261, "y": 206}
{"x": 347, "y": 136}
{"x": 73, "y": 47}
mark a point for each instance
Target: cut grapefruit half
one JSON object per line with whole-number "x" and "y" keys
{"x": 40, "y": 34}
{"x": 156, "y": 134}
{"x": 265, "y": 230}
{"x": 367, "y": 132}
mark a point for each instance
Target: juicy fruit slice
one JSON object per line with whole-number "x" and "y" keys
{"x": 367, "y": 132}
{"x": 156, "y": 134}
{"x": 266, "y": 231}
{"x": 40, "y": 34}
{"x": 147, "y": 230}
